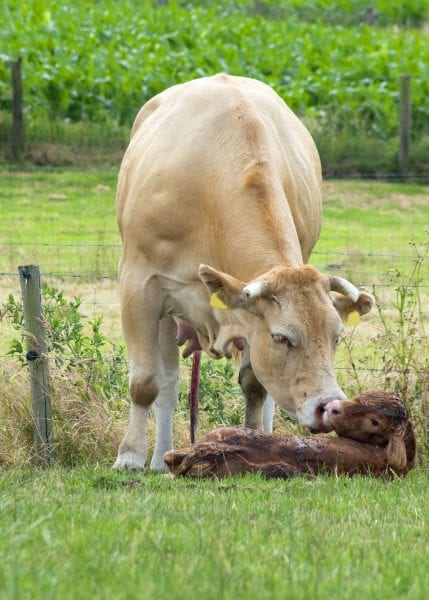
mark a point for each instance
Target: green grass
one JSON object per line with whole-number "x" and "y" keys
{"x": 95, "y": 534}
{"x": 387, "y": 230}
{"x": 77, "y": 207}
{"x": 65, "y": 207}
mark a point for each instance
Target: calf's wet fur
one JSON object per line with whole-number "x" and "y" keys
{"x": 375, "y": 436}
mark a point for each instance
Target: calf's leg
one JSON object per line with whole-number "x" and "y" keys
{"x": 281, "y": 471}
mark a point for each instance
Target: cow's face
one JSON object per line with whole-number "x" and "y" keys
{"x": 293, "y": 324}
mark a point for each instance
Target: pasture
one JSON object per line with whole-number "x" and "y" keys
{"x": 89, "y": 532}
{"x": 80, "y": 530}
{"x": 368, "y": 227}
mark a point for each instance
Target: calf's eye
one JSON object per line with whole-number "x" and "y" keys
{"x": 375, "y": 422}
{"x": 280, "y": 339}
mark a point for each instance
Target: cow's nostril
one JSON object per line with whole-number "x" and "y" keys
{"x": 320, "y": 410}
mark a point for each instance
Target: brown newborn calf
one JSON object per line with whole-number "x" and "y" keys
{"x": 376, "y": 437}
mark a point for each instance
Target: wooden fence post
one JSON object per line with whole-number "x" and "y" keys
{"x": 404, "y": 123}
{"x": 17, "y": 134}
{"x": 29, "y": 277}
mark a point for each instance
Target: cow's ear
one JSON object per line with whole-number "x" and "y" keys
{"x": 346, "y": 305}
{"x": 225, "y": 291}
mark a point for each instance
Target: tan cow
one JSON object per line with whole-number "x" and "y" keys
{"x": 219, "y": 208}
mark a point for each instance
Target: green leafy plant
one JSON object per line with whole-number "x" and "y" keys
{"x": 220, "y": 399}
{"x": 220, "y": 395}
{"x": 92, "y": 64}
{"x": 75, "y": 344}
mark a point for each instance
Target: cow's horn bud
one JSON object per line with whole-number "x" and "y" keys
{"x": 255, "y": 289}
{"x": 342, "y": 286}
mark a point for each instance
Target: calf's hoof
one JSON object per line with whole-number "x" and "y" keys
{"x": 131, "y": 461}
{"x": 174, "y": 458}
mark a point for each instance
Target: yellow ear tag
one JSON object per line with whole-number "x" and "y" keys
{"x": 353, "y": 319}
{"x": 216, "y": 302}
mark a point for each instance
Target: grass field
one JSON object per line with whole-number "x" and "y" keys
{"x": 74, "y": 210}
{"x": 91, "y": 533}
{"x": 88, "y": 532}
{"x": 64, "y": 220}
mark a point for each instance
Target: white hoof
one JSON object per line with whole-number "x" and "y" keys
{"x": 130, "y": 460}
{"x": 158, "y": 464}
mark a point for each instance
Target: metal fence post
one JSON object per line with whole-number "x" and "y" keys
{"x": 29, "y": 277}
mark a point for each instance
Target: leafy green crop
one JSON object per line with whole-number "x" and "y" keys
{"x": 101, "y": 61}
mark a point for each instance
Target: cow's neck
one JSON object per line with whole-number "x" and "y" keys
{"x": 246, "y": 251}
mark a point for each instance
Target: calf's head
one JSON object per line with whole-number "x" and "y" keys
{"x": 292, "y": 319}
{"x": 374, "y": 417}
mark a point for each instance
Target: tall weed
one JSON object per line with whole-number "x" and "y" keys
{"x": 399, "y": 351}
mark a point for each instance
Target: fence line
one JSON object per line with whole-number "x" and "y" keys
{"x": 75, "y": 359}
{"x": 318, "y": 252}
{"x": 390, "y": 177}
{"x": 90, "y": 275}
{"x": 370, "y": 284}
{"x": 39, "y": 357}
{"x": 113, "y": 275}
{"x": 60, "y": 245}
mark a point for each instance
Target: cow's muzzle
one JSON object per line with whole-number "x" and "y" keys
{"x": 311, "y": 413}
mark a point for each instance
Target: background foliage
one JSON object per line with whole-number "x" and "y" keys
{"x": 335, "y": 63}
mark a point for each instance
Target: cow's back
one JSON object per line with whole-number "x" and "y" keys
{"x": 212, "y": 161}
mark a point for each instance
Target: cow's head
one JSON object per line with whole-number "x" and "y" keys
{"x": 292, "y": 319}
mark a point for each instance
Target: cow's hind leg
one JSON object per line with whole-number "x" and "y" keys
{"x": 253, "y": 392}
{"x": 268, "y": 413}
{"x": 165, "y": 402}
{"x": 141, "y": 301}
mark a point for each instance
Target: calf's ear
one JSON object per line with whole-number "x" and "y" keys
{"x": 396, "y": 452}
{"x": 346, "y": 305}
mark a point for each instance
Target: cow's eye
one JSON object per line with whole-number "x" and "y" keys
{"x": 375, "y": 422}
{"x": 280, "y": 339}
{"x": 338, "y": 338}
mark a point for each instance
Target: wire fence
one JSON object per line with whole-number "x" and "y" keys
{"x": 95, "y": 369}
{"x": 79, "y": 360}
{"x": 382, "y": 281}
{"x": 373, "y": 278}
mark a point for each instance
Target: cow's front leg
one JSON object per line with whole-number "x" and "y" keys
{"x": 254, "y": 393}
{"x": 140, "y": 307}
